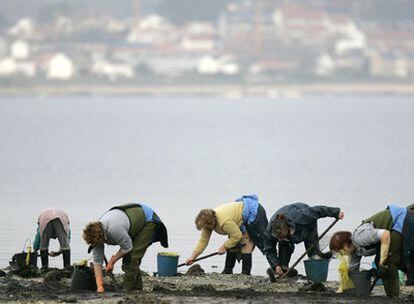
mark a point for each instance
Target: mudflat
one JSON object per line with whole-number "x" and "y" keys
{"x": 196, "y": 288}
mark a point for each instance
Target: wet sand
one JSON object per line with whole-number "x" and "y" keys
{"x": 209, "y": 288}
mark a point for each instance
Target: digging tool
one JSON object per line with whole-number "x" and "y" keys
{"x": 112, "y": 276}
{"x": 203, "y": 257}
{"x": 55, "y": 253}
{"x": 373, "y": 284}
{"x": 309, "y": 249}
{"x": 196, "y": 260}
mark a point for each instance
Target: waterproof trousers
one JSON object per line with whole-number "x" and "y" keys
{"x": 142, "y": 234}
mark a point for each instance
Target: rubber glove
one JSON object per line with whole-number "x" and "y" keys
{"x": 345, "y": 281}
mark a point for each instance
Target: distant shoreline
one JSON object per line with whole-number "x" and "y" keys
{"x": 230, "y": 91}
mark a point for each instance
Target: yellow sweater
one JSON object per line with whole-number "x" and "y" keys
{"x": 229, "y": 220}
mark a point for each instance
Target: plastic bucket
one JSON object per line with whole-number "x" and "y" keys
{"x": 317, "y": 269}
{"x": 82, "y": 279}
{"x": 362, "y": 282}
{"x": 20, "y": 259}
{"x": 167, "y": 264}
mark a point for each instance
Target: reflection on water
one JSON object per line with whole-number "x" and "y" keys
{"x": 180, "y": 155}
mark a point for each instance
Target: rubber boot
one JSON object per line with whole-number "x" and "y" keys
{"x": 66, "y": 258}
{"x": 246, "y": 263}
{"x": 392, "y": 288}
{"x": 44, "y": 257}
{"x": 230, "y": 262}
{"x": 391, "y": 280}
{"x": 138, "y": 281}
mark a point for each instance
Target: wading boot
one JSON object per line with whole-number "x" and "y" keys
{"x": 66, "y": 258}
{"x": 138, "y": 281}
{"x": 246, "y": 263}
{"x": 132, "y": 278}
{"x": 230, "y": 262}
{"x": 44, "y": 257}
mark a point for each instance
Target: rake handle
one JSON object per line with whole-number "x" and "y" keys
{"x": 310, "y": 248}
{"x": 201, "y": 258}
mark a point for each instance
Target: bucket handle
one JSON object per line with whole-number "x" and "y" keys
{"x": 25, "y": 243}
{"x": 29, "y": 249}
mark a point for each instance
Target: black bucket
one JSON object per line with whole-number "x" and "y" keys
{"x": 82, "y": 279}
{"x": 362, "y": 283}
{"x": 20, "y": 259}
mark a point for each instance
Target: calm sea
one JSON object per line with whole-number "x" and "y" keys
{"x": 182, "y": 154}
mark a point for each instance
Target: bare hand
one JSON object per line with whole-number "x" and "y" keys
{"x": 100, "y": 289}
{"x": 189, "y": 261}
{"x": 341, "y": 215}
{"x": 278, "y": 270}
{"x": 222, "y": 250}
{"x": 111, "y": 264}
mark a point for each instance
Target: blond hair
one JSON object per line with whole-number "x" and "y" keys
{"x": 206, "y": 219}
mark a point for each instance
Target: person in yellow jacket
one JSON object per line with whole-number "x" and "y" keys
{"x": 243, "y": 221}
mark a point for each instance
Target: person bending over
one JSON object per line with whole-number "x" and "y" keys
{"x": 389, "y": 236}
{"x": 243, "y": 221}
{"x": 52, "y": 224}
{"x": 290, "y": 225}
{"x": 133, "y": 227}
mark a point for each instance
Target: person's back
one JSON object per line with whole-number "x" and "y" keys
{"x": 53, "y": 223}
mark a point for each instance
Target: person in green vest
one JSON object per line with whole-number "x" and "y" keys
{"x": 389, "y": 236}
{"x": 133, "y": 227}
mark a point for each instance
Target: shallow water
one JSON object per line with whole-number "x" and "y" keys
{"x": 183, "y": 154}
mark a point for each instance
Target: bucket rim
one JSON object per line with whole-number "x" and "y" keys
{"x": 168, "y": 254}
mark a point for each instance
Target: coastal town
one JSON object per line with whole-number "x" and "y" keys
{"x": 250, "y": 43}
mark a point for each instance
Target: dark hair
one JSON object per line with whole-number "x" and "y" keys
{"x": 280, "y": 228}
{"x": 339, "y": 240}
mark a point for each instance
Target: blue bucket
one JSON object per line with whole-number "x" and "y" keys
{"x": 167, "y": 264}
{"x": 317, "y": 270}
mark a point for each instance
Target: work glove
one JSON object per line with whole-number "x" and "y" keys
{"x": 382, "y": 271}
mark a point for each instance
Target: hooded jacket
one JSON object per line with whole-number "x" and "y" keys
{"x": 301, "y": 219}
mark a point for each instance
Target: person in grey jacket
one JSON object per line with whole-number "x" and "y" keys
{"x": 290, "y": 225}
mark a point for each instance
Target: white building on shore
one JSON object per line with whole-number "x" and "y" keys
{"x": 60, "y": 67}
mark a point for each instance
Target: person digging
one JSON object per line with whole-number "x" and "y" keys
{"x": 52, "y": 224}
{"x": 290, "y": 225}
{"x": 243, "y": 221}
{"x": 389, "y": 236}
{"x": 133, "y": 227}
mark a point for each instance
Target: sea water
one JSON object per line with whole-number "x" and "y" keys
{"x": 179, "y": 155}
